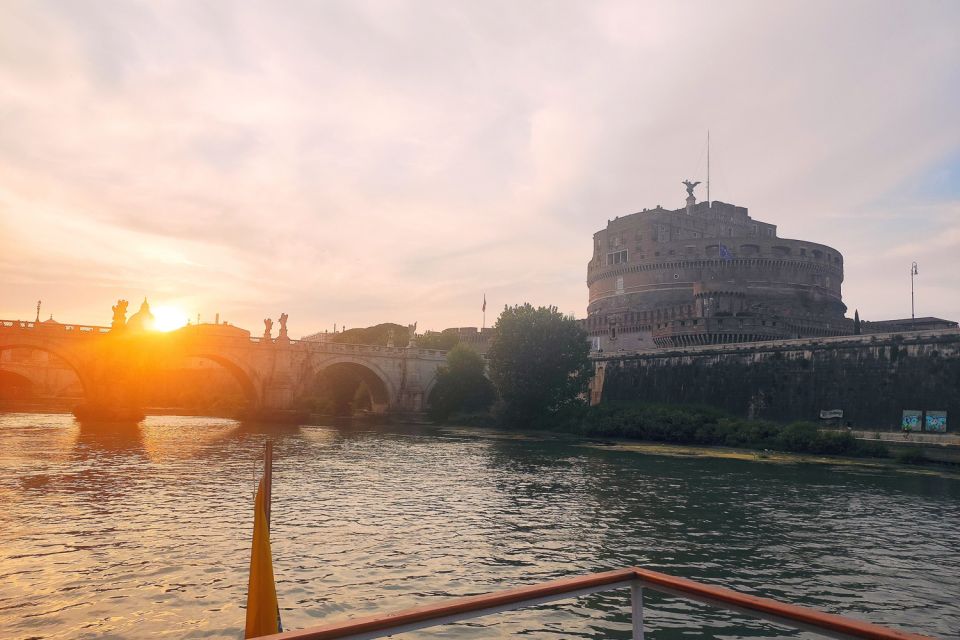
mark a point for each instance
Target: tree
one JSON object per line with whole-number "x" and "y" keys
{"x": 461, "y": 385}
{"x": 539, "y": 361}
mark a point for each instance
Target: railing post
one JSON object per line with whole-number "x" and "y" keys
{"x": 636, "y": 606}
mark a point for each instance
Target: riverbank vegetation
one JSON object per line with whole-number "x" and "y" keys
{"x": 461, "y": 385}
{"x": 539, "y": 365}
{"x": 691, "y": 426}
{"x": 539, "y": 362}
{"x": 708, "y": 427}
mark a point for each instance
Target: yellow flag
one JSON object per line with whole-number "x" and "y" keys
{"x": 263, "y": 613}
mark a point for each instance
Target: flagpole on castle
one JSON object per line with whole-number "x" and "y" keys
{"x": 484, "y": 309}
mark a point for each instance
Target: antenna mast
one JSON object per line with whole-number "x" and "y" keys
{"x": 708, "y": 167}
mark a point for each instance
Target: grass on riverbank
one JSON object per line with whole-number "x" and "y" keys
{"x": 701, "y": 426}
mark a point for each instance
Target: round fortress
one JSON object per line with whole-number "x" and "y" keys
{"x": 708, "y": 274}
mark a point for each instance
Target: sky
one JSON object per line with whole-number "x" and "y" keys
{"x": 365, "y": 162}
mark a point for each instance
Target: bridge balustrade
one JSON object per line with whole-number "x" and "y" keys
{"x": 40, "y": 326}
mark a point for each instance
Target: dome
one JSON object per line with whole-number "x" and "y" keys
{"x": 142, "y": 320}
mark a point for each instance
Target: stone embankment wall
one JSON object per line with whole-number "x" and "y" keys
{"x": 871, "y": 378}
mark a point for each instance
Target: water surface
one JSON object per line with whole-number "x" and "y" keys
{"x": 145, "y": 531}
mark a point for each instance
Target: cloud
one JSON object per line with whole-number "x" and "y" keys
{"x": 363, "y": 162}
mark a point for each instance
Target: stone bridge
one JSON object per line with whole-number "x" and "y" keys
{"x": 113, "y": 364}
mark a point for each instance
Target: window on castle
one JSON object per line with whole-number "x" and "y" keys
{"x": 617, "y": 257}
{"x": 620, "y": 286}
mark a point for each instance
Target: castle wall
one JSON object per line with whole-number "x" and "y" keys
{"x": 871, "y": 378}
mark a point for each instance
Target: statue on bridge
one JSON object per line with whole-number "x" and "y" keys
{"x": 283, "y": 327}
{"x": 119, "y": 315}
{"x": 267, "y": 328}
{"x": 412, "y": 334}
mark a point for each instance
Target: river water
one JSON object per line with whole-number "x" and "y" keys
{"x": 145, "y": 532}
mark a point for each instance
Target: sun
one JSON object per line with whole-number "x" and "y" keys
{"x": 168, "y": 318}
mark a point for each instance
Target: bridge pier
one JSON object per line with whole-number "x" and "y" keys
{"x": 410, "y": 400}
{"x": 277, "y": 396}
{"x": 110, "y": 401}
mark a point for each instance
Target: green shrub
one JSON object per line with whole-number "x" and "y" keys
{"x": 707, "y": 426}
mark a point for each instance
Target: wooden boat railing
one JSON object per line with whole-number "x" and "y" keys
{"x": 637, "y": 579}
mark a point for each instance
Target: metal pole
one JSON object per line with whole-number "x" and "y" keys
{"x": 636, "y": 606}
{"x": 913, "y": 317}
{"x": 268, "y": 479}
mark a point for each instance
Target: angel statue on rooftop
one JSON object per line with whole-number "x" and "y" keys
{"x": 690, "y": 186}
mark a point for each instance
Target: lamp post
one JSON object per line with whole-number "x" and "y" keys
{"x": 913, "y": 317}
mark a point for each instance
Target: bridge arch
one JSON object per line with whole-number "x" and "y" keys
{"x": 247, "y": 381}
{"x": 70, "y": 359}
{"x": 377, "y": 382}
{"x": 15, "y": 386}
{"x": 428, "y": 389}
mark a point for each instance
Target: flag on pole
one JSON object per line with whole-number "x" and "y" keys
{"x": 725, "y": 253}
{"x": 484, "y": 307}
{"x": 263, "y": 612}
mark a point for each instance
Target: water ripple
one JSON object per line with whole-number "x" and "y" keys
{"x": 145, "y": 531}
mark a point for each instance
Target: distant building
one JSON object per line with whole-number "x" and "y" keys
{"x": 711, "y": 274}
{"x": 906, "y": 324}
{"x": 142, "y": 320}
{"x": 320, "y": 336}
{"x": 477, "y": 339}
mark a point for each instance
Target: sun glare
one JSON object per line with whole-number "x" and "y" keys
{"x": 168, "y": 318}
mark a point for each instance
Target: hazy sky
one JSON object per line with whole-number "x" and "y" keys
{"x": 358, "y": 162}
